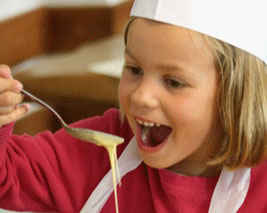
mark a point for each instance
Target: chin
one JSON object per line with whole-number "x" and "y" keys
{"x": 156, "y": 163}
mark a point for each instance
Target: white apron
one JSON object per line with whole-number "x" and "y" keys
{"x": 228, "y": 196}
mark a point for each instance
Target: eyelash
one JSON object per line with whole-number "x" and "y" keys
{"x": 169, "y": 81}
{"x": 135, "y": 71}
{"x": 173, "y": 83}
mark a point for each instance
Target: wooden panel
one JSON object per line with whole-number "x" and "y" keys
{"x": 120, "y": 17}
{"x": 73, "y": 26}
{"x": 58, "y": 29}
{"x": 23, "y": 37}
{"x": 36, "y": 122}
{"x": 79, "y": 85}
{"x": 74, "y": 96}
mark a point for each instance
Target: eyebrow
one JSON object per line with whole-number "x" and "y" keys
{"x": 169, "y": 67}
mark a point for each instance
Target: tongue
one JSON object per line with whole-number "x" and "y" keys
{"x": 159, "y": 134}
{"x": 153, "y": 136}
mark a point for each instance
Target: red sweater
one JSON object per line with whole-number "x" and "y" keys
{"x": 55, "y": 172}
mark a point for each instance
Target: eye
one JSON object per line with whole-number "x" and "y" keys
{"x": 173, "y": 83}
{"x": 135, "y": 71}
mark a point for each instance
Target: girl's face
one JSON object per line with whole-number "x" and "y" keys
{"x": 169, "y": 79}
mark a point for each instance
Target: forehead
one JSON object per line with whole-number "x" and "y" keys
{"x": 171, "y": 41}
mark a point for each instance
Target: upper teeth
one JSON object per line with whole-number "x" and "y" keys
{"x": 145, "y": 123}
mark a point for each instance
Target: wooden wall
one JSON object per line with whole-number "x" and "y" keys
{"x": 58, "y": 29}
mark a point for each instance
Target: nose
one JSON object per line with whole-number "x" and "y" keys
{"x": 145, "y": 95}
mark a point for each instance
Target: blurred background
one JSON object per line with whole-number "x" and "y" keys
{"x": 68, "y": 53}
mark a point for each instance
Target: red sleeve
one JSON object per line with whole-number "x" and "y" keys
{"x": 52, "y": 172}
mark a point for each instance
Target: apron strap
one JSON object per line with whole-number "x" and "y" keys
{"x": 128, "y": 161}
{"x": 228, "y": 196}
{"x": 230, "y": 191}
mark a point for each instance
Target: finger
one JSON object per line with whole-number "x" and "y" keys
{"x": 10, "y": 85}
{"x": 16, "y": 86}
{"x": 7, "y": 110}
{"x": 10, "y": 99}
{"x": 5, "y": 84}
{"x": 15, "y": 115}
{"x": 5, "y": 71}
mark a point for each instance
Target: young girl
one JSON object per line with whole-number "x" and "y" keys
{"x": 193, "y": 117}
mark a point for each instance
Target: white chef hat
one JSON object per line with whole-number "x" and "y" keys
{"x": 242, "y": 23}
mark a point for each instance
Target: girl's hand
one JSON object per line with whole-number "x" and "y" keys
{"x": 10, "y": 97}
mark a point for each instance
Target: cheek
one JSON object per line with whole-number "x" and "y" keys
{"x": 123, "y": 92}
{"x": 124, "y": 98}
{"x": 182, "y": 110}
{"x": 195, "y": 112}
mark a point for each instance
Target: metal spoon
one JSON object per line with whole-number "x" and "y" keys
{"x": 96, "y": 137}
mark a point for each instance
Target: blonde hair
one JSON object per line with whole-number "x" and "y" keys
{"x": 242, "y": 105}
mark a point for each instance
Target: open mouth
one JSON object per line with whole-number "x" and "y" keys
{"x": 152, "y": 134}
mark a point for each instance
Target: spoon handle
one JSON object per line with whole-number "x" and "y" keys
{"x": 96, "y": 137}
{"x": 31, "y": 96}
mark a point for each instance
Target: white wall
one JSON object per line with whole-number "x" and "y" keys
{"x": 11, "y": 8}
{"x": 66, "y": 3}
